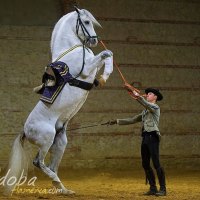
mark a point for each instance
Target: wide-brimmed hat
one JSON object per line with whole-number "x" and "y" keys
{"x": 156, "y": 92}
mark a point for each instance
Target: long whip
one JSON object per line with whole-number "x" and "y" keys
{"x": 88, "y": 126}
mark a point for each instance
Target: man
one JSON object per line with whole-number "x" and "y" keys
{"x": 150, "y": 136}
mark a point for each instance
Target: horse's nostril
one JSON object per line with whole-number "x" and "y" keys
{"x": 94, "y": 41}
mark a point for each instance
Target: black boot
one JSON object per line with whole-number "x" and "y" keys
{"x": 161, "y": 178}
{"x": 151, "y": 178}
{"x": 161, "y": 192}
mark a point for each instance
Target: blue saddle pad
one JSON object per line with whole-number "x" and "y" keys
{"x": 61, "y": 71}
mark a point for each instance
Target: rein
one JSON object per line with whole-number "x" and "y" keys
{"x": 79, "y": 23}
{"x": 71, "y": 49}
{"x": 87, "y": 35}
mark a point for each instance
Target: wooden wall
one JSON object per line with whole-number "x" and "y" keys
{"x": 156, "y": 44}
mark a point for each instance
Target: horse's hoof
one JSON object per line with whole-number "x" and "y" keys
{"x": 6, "y": 194}
{"x": 61, "y": 187}
{"x": 102, "y": 82}
{"x": 68, "y": 192}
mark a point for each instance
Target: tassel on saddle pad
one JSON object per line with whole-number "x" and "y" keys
{"x": 39, "y": 89}
{"x": 48, "y": 83}
{"x": 48, "y": 79}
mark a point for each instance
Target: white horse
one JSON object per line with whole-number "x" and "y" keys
{"x": 43, "y": 126}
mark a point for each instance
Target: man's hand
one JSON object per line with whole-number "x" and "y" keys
{"x": 136, "y": 93}
{"x": 128, "y": 87}
{"x": 131, "y": 90}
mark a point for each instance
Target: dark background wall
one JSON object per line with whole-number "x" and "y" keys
{"x": 155, "y": 42}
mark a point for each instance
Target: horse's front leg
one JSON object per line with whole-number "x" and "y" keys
{"x": 96, "y": 62}
{"x": 108, "y": 69}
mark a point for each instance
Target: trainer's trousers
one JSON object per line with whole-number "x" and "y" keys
{"x": 150, "y": 150}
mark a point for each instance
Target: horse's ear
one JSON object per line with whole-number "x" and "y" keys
{"x": 77, "y": 10}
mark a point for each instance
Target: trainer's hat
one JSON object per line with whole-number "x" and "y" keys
{"x": 156, "y": 92}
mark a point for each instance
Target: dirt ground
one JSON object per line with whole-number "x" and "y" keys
{"x": 110, "y": 185}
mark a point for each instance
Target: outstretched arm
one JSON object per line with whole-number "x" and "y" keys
{"x": 126, "y": 121}
{"x": 150, "y": 106}
{"x": 132, "y": 120}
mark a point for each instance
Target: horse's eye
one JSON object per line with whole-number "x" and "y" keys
{"x": 87, "y": 22}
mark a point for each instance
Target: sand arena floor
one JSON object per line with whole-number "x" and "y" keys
{"x": 111, "y": 185}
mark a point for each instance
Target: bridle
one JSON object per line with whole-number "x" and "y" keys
{"x": 80, "y": 24}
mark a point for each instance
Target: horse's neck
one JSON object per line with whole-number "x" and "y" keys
{"x": 63, "y": 42}
{"x": 63, "y": 36}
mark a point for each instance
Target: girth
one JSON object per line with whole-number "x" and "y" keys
{"x": 82, "y": 84}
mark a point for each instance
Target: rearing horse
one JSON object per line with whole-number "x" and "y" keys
{"x": 72, "y": 36}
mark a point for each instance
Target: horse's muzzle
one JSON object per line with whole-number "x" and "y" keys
{"x": 92, "y": 41}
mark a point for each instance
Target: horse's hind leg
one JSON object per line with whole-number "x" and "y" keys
{"x": 55, "y": 179}
{"x": 36, "y": 160}
{"x": 56, "y": 153}
{"x": 39, "y": 162}
{"x": 57, "y": 149}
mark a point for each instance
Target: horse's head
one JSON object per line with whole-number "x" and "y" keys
{"x": 85, "y": 27}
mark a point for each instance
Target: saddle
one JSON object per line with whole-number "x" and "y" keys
{"x": 55, "y": 77}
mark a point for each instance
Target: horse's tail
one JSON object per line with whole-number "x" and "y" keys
{"x": 18, "y": 165}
